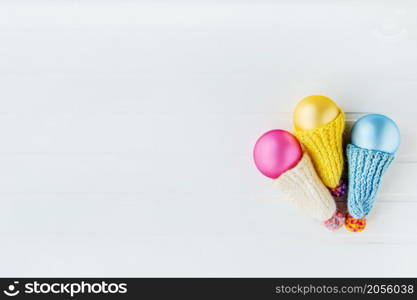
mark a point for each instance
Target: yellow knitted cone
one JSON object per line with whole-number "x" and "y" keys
{"x": 324, "y": 141}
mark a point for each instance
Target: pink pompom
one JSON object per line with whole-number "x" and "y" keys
{"x": 336, "y": 221}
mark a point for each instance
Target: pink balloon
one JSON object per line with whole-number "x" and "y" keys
{"x": 275, "y": 152}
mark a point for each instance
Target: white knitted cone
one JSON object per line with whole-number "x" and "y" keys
{"x": 306, "y": 191}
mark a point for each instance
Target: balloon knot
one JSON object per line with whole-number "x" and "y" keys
{"x": 336, "y": 221}
{"x": 355, "y": 225}
{"x": 340, "y": 190}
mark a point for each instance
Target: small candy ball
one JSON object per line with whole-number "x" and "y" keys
{"x": 314, "y": 111}
{"x": 355, "y": 225}
{"x": 276, "y": 152}
{"x": 376, "y": 132}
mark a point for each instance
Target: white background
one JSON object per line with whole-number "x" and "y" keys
{"x": 127, "y": 127}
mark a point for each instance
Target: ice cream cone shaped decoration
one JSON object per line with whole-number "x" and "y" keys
{"x": 278, "y": 155}
{"x": 374, "y": 141}
{"x": 319, "y": 124}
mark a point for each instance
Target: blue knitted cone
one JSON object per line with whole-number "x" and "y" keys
{"x": 366, "y": 168}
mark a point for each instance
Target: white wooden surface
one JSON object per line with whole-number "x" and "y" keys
{"x": 127, "y": 128}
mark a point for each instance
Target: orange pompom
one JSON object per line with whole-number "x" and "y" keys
{"x": 355, "y": 225}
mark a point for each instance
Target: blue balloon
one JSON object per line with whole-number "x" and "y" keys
{"x": 376, "y": 132}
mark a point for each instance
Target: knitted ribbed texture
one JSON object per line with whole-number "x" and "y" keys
{"x": 324, "y": 144}
{"x": 366, "y": 168}
{"x": 305, "y": 190}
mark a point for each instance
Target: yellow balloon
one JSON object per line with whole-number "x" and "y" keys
{"x": 314, "y": 111}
